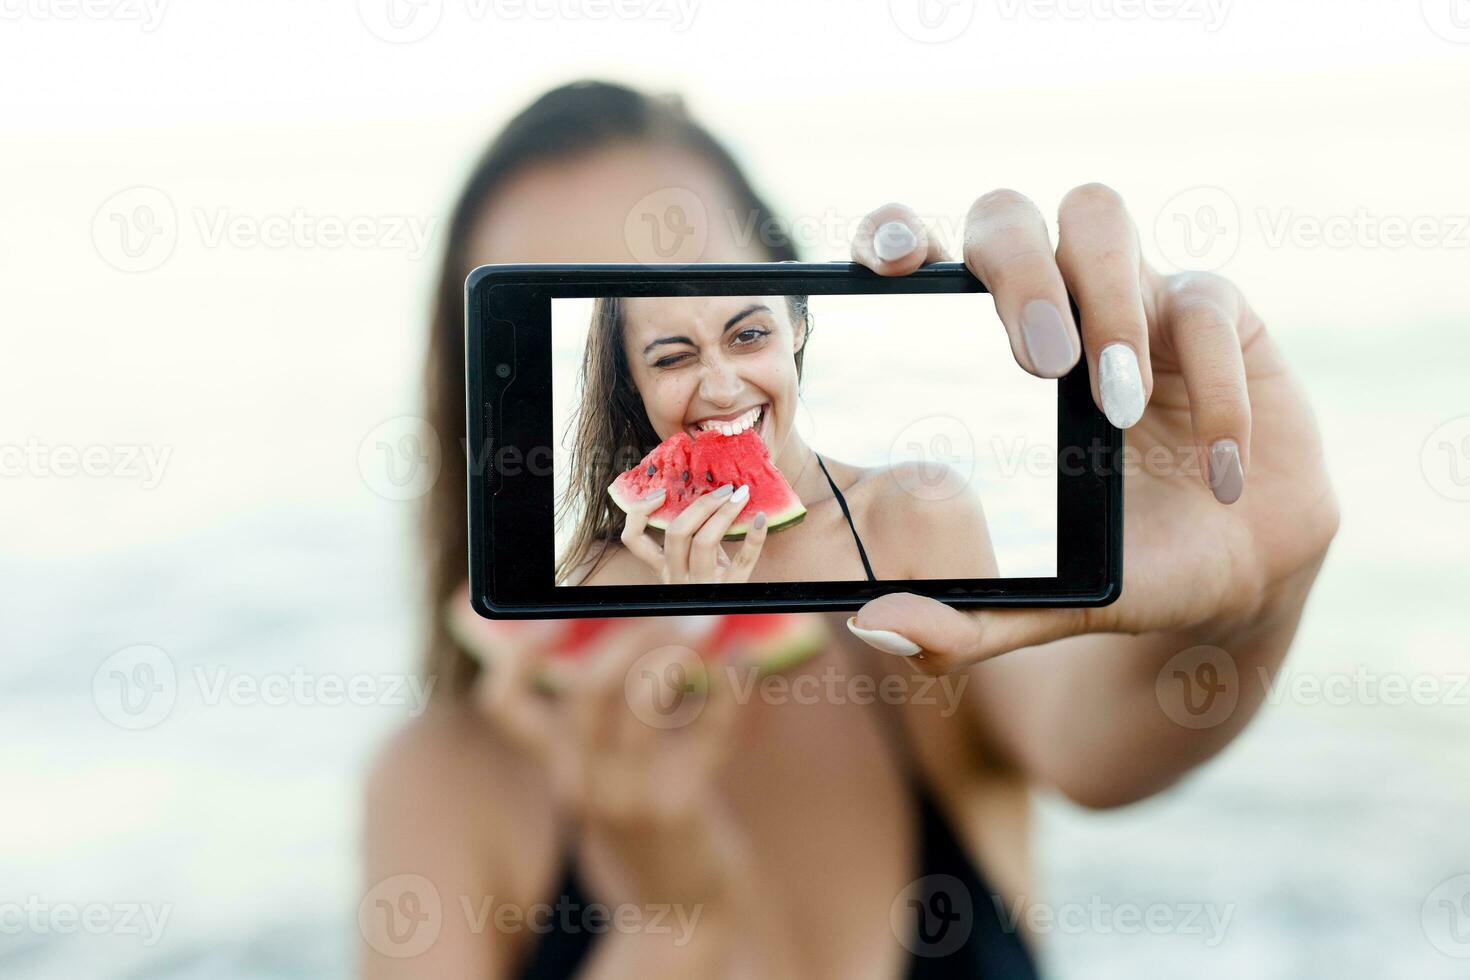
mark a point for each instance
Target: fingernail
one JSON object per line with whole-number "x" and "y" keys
{"x": 759, "y": 522}
{"x": 740, "y": 496}
{"x": 1227, "y": 479}
{"x": 727, "y": 488}
{"x": 1121, "y": 385}
{"x": 1047, "y": 338}
{"x": 885, "y": 640}
{"x": 893, "y": 241}
{"x": 653, "y": 494}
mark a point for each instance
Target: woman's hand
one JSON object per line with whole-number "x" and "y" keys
{"x": 1228, "y": 507}
{"x": 692, "y": 551}
{"x": 632, "y": 751}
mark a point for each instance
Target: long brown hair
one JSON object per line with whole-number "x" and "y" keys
{"x": 612, "y": 432}
{"x": 568, "y": 121}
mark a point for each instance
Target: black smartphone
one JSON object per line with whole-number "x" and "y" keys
{"x": 930, "y": 461}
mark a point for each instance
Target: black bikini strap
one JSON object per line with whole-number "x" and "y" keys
{"x": 842, "y": 502}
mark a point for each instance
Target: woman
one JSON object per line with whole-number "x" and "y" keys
{"x": 840, "y": 836}
{"x": 656, "y": 366}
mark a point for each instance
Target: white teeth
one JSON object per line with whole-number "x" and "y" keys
{"x": 732, "y": 427}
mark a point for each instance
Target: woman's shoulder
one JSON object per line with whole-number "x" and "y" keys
{"x": 927, "y": 510}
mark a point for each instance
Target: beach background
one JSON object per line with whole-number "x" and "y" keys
{"x": 208, "y": 616}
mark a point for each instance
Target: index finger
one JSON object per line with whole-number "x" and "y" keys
{"x": 894, "y": 241}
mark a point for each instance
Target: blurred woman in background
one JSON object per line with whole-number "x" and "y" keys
{"x": 838, "y": 838}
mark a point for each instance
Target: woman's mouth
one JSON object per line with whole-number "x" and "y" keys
{"x": 734, "y": 423}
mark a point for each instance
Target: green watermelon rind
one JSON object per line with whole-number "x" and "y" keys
{"x": 779, "y": 521}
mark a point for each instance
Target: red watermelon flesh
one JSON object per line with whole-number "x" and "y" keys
{"x": 688, "y": 468}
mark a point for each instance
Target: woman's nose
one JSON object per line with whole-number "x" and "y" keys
{"x": 718, "y": 383}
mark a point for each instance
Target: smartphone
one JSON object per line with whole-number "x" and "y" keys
{"x": 929, "y": 460}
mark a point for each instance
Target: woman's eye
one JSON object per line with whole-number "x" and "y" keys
{"x": 670, "y": 361}
{"x": 750, "y": 335}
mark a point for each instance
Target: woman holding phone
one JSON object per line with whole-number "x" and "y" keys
{"x": 835, "y": 838}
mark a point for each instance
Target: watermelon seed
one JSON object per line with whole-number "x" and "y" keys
{"x": 652, "y": 469}
{"x": 709, "y": 476}
{"x": 686, "y": 476}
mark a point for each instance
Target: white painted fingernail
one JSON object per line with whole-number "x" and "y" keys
{"x": 1121, "y": 385}
{"x": 721, "y": 491}
{"x": 653, "y": 494}
{"x": 893, "y": 241}
{"x": 885, "y": 640}
{"x": 740, "y": 496}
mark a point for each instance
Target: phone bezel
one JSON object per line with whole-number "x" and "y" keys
{"x": 511, "y": 508}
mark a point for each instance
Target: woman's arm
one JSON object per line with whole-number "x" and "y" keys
{"x": 1220, "y": 549}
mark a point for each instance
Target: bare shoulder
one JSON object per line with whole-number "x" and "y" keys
{"x": 447, "y": 793}
{"x": 928, "y": 512}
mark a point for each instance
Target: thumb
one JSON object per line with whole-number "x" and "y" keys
{"x": 938, "y": 638}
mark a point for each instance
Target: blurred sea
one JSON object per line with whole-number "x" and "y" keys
{"x": 1321, "y": 832}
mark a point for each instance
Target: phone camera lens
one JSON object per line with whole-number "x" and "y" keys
{"x": 502, "y": 370}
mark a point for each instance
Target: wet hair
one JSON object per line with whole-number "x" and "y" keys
{"x": 569, "y": 121}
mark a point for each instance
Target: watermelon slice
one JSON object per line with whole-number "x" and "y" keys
{"x": 688, "y": 468}
{"x": 770, "y": 642}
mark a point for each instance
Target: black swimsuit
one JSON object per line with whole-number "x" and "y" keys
{"x": 952, "y": 917}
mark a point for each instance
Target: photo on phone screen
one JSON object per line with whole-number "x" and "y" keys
{"x": 888, "y": 410}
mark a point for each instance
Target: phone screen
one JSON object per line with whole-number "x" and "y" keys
{"x": 883, "y": 417}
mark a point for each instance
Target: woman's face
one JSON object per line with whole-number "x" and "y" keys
{"x": 721, "y": 362}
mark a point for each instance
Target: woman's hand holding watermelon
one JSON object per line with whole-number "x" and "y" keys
{"x": 692, "y": 551}
{"x": 633, "y": 754}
